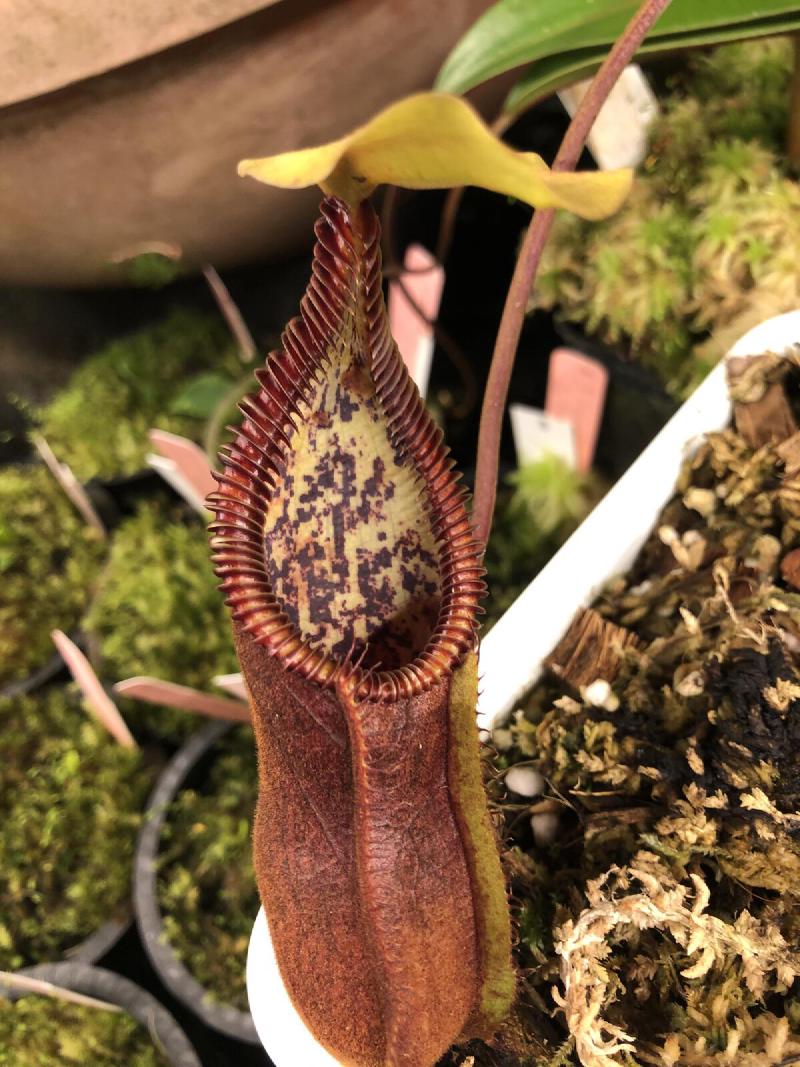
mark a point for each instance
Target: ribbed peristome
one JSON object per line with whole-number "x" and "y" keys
{"x": 337, "y": 357}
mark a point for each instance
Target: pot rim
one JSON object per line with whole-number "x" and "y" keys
{"x": 115, "y": 43}
{"x": 170, "y": 969}
{"x": 609, "y": 539}
{"x": 106, "y": 985}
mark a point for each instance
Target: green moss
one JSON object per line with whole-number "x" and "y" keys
{"x": 49, "y": 558}
{"x": 151, "y": 270}
{"x": 70, "y": 803}
{"x": 707, "y": 245}
{"x": 744, "y": 89}
{"x": 99, "y": 423}
{"x": 42, "y": 1032}
{"x": 158, "y": 612}
{"x": 538, "y": 508}
{"x": 206, "y": 884}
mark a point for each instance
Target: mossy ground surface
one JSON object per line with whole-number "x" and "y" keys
{"x": 158, "y": 612}
{"x": 70, "y": 806}
{"x": 49, "y": 560}
{"x": 206, "y": 884}
{"x": 706, "y": 247}
{"x": 42, "y": 1032}
{"x": 161, "y": 377}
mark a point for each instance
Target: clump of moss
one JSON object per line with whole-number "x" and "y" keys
{"x": 206, "y": 884}
{"x": 158, "y": 611}
{"x": 537, "y": 509}
{"x": 70, "y": 804}
{"x": 49, "y": 559}
{"x": 99, "y": 423}
{"x": 664, "y": 910}
{"x": 707, "y": 244}
{"x": 42, "y": 1032}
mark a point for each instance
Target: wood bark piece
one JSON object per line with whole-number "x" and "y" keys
{"x": 767, "y": 420}
{"x": 348, "y": 559}
{"x": 789, "y": 451}
{"x": 790, "y": 568}
{"x": 591, "y": 649}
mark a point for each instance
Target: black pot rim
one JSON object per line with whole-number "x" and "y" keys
{"x": 97, "y": 945}
{"x": 171, "y": 970}
{"x": 102, "y": 984}
{"x": 42, "y": 675}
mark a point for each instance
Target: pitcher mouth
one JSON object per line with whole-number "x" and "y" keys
{"x": 341, "y": 533}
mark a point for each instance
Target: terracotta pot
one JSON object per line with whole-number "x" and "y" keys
{"x": 122, "y": 125}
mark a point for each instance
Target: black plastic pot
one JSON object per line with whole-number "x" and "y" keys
{"x": 49, "y": 671}
{"x": 97, "y": 946}
{"x": 636, "y": 407}
{"x": 97, "y": 982}
{"x": 172, "y": 972}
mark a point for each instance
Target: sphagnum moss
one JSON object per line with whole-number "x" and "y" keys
{"x": 42, "y": 1032}
{"x": 157, "y": 612}
{"x": 706, "y": 246}
{"x": 70, "y": 805}
{"x": 49, "y": 559}
{"x": 99, "y": 423}
{"x": 537, "y": 509}
{"x": 206, "y": 885}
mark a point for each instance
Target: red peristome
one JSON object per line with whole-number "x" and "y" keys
{"x": 344, "y": 294}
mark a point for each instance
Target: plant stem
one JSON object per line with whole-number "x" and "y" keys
{"x": 231, "y": 314}
{"x": 508, "y": 334}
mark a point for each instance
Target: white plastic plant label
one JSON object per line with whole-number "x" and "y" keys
{"x": 620, "y": 133}
{"x": 538, "y": 433}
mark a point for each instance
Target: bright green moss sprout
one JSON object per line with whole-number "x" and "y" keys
{"x": 707, "y": 245}
{"x": 70, "y": 804}
{"x": 42, "y": 1032}
{"x": 206, "y": 884}
{"x": 99, "y": 423}
{"x": 158, "y": 612}
{"x": 540, "y": 506}
{"x": 49, "y": 559}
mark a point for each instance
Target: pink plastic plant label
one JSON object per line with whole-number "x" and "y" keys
{"x": 576, "y": 392}
{"x": 423, "y": 281}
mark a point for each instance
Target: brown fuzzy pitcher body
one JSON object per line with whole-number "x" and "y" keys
{"x": 348, "y": 560}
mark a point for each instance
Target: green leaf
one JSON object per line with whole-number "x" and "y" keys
{"x": 565, "y": 40}
{"x": 201, "y": 396}
{"x": 436, "y": 141}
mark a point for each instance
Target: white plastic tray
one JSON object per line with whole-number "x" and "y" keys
{"x": 512, "y": 653}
